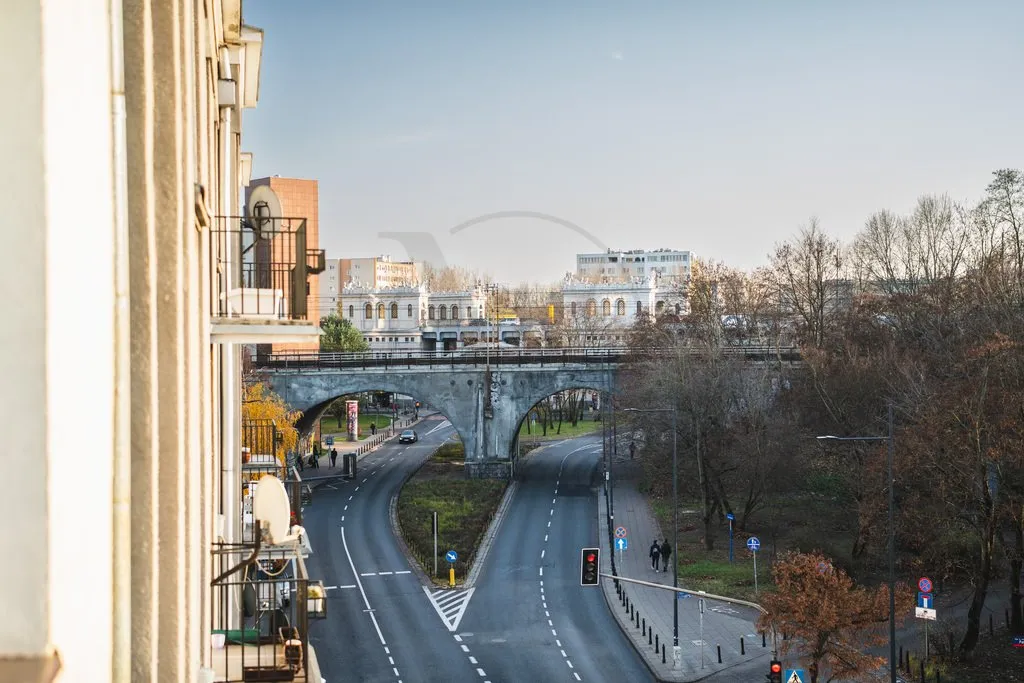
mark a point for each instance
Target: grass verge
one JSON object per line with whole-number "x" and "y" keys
{"x": 331, "y": 425}
{"x": 464, "y": 509}
{"x": 568, "y": 431}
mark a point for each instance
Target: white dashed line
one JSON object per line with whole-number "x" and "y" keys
{"x": 545, "y": 538}
{"x": 391, "y": 660}
{"x": 569, "y": 663}
{"x": 541, "y": 571}
{"x": 406, "y": 571}
{"x": 472, "y": 660}
{"x": 365, "y": 479}
{"x": 549, "y": 623}
{"x": 549, "y": 524}
{"x": 481, "y": 672}
{"x": 564, "y": 655}
{"x": 574, "y": 674}
{"x": 552, "y": 511}
{"x": 343, "y": 518}
{"x": 345, "y": 509}
{"x": 458, "y": 638}
{"x": 558, "y": 643}
{"x": 553, "y": 500}
{"x": 357, "y": 488}
{"x": 384, "y": 573}
{"x": 350, "y": 497}
{"x": 545, "y": 605}
{"x": 546, "y": 613}
{"x": 465, "y": 648}
{"x": 395, "y": 670}
{"x": 369, "y": 574}
{"x": 553, "y": 632}
{"x": 542, "y": 554}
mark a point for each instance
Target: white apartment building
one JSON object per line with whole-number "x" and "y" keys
{"x": 379, "y": 272}
{"x": 123, "y": 153}
{"x": 618, "y": 266}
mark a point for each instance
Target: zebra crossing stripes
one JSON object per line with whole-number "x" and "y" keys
{"x": 450, "y": 605}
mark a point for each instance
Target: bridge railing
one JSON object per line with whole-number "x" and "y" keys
{"x": 327, "y": 360}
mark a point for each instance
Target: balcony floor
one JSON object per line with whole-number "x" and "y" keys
{"x": 228, "y": 662}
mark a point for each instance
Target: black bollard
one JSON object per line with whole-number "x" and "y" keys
{"x": 645, "y": 627}
{"x": 743, "y": 649}
{"x": 649, "y": 641}
{"x": 663, "y": 653}
{"x": 656, "y": 645}
{"x": 922, "y": 671}
{"x": 719, "y": 653}
{"x": 764, "y": 640}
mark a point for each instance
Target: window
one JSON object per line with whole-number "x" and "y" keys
{"x": 639, "y": 307}
{"x": 368, "y": 312}
{"x": 591, "y": 308}
{"x": 572, "y": 309}
{"x": 606, "y": 308}
{"x": 394, "y": 311}
{"x": 410, "y": 311}
{"x": 380, "y": 311}
{"x": 659, "y": 307}
{"x": 430, "y": 312}
{"x": 443, "y": 312}
{"x": 678, "y": 309}
{"x": 620, "y": 307}
{"x": 351, "y": 311}
{"x": 455, "y": 312}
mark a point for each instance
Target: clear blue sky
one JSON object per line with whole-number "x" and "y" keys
{"x": 717, "y": 126}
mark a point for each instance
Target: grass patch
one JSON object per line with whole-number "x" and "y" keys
{"x": 568, "y": 430}
{"x": 465, "y": 508}
{"x": 331, "y": 425}
{"x": 734, "y": 580}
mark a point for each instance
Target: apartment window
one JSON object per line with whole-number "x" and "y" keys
{"x": 351, "y": 311}
{"x": 455, "y": 312}
{"x": 606, "y": 308}
{"x": 591, "y": 308}
{"x": 620, "y": 307}
{"x": 443, "y": 312}
{"x": 394, "y": 311}
{"x": 380, "y": 311}
{"x": 678, "y": 309}
{"x": 430, "y": 312}
{"x": 368, "y": 312}
{"x": 410, "y": 312}
{"x": 639, "y": 307}
{"x": 572, "y": 309}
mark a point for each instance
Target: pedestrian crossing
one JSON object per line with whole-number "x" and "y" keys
{"x": 450, "y": 605}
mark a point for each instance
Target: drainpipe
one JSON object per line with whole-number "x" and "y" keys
{"x": 230, "y": 381}
{"x": 122, "y": 569}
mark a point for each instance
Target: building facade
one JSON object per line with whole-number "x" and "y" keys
{"x": 379, "y": 272}
{"x": 623, "y": 266}
{"x": 600, "y": 314}
{"x": 124, "y": 153}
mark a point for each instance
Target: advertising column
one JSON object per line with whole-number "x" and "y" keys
{"x": 352, "y": 408}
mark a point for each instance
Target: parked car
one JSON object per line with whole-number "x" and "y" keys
{"x": 408, "y": 436}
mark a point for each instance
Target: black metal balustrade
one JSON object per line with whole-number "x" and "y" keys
{"x": 262, "y": 606}
{"x": 508, "y": 357}
{"x": 260, "y": 267}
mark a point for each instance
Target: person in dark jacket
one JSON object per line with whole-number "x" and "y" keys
{"x": 666, "y": 552}
{"x": 655, "y": 553}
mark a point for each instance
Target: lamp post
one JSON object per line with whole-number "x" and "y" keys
{"x": 892, "y": 531}
{"x": 675, "y": 520}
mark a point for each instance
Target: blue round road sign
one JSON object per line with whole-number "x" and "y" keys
{"x": 753, "y": 544}
{"x": 451, "y": 556}
{"x": 925, "y": 584}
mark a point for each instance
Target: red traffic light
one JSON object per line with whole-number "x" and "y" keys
{"x": 591, "y": 557}
{"x": 776, "y": 667}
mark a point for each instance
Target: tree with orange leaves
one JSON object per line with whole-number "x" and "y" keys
{"x": 830, "y": 621}
{"x": 259, "y": 403}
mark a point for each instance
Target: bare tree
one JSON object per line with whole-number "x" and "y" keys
{"x": 808, "y": 273}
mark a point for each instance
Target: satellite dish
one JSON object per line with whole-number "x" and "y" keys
{"x": 263, "y": 209}
{"x": 270, "y": 506}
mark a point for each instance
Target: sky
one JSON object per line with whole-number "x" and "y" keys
{"x": 715, "y": 126}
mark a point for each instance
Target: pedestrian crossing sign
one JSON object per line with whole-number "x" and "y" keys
{"x": 794, "y": 676}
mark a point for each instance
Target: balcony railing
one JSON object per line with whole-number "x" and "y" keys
{"x": 316, "y": 261}
{"x": 261, "y": 268}
{"x": 263, "y": 603}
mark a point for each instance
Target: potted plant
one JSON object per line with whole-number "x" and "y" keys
{"x": 316, "y": 600}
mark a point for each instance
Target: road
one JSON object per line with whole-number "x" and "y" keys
{"x": 529, "y": 619}
{"x": 380, "y": 626}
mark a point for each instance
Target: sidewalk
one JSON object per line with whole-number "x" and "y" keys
{"x": 724, "y": 625}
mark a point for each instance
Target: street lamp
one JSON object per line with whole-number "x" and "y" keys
{"x": 892, "y": 533}
{"x": 675, "y": 520}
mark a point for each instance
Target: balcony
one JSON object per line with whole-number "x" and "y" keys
{"x": 260, "y": 272}
{"x": 263, "y": 605}
{"x": 262, "y": 456}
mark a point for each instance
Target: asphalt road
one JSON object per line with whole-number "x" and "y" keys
{"x": 380, "y": 625}
{"x": 530, "y": 619}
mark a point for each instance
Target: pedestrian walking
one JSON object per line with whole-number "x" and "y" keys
{"x": 373, "y": 428}
{"x": 666, "y": 552}
{"x": 314, "y": 459}
{"x": 655, "y": 554}
{"x": 334, "y": 456}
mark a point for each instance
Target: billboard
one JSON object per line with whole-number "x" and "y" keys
{"x": 352, "y": 410}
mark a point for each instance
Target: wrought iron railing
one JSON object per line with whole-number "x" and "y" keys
{"x": 261, "y": 268}
{"x": 262, "y": 606}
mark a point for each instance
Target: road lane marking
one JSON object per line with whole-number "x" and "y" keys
{"x": 542, "y": 571}
{"x": 458, "y": 638}
{"x": 450, "y": 605}
{"x": 564, "y": 655}
{"x": 345, "y": 509}
{"x": 541, "y": 553}
{"x": 366, "y": 600}
{"x": 465, "y": 648}
{"x": 574, "y": 674}
{"x": 343, "y": 518}
{"x": 472, "y": 660}
{"x": 350, "y": 497}
{"x": 545, "y": 538}
{"x": 384, "y": 573}
{"x": 481, "y": 672}
{"x": 569, "y": 663}
{"x": 369, "y": 574}
{"x": 406, "y": 571}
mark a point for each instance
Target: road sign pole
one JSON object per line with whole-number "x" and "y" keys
{"x": 755, "y": 572}
{"x": 730, "y": 539}
{"x": 700, "y": 608}
{"x": 435, "y": 543}
{"x": 926, "y": 640}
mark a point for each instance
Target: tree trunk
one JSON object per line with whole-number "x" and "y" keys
{"x": 1016, "y": 565}
{"x": 970, "y": 640}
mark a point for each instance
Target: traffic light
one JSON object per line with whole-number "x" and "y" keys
{"x": 775, "y": 669}
{"x": 589, "y": 563}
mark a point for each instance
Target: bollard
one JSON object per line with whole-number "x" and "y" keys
{"x": 649, "y": 641}
{"x": 631, "y": 612}
{"x": 638, "y": 619}
{"x": 662, "y": 653}
{"x": 719, "y": 653}
{"x": 656, "y": 644}
{"x": 764, "y": 640}
{"x": 922, "y": 671}
{"x": 743, "y": 649}
{"x": 645, "y": 627}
